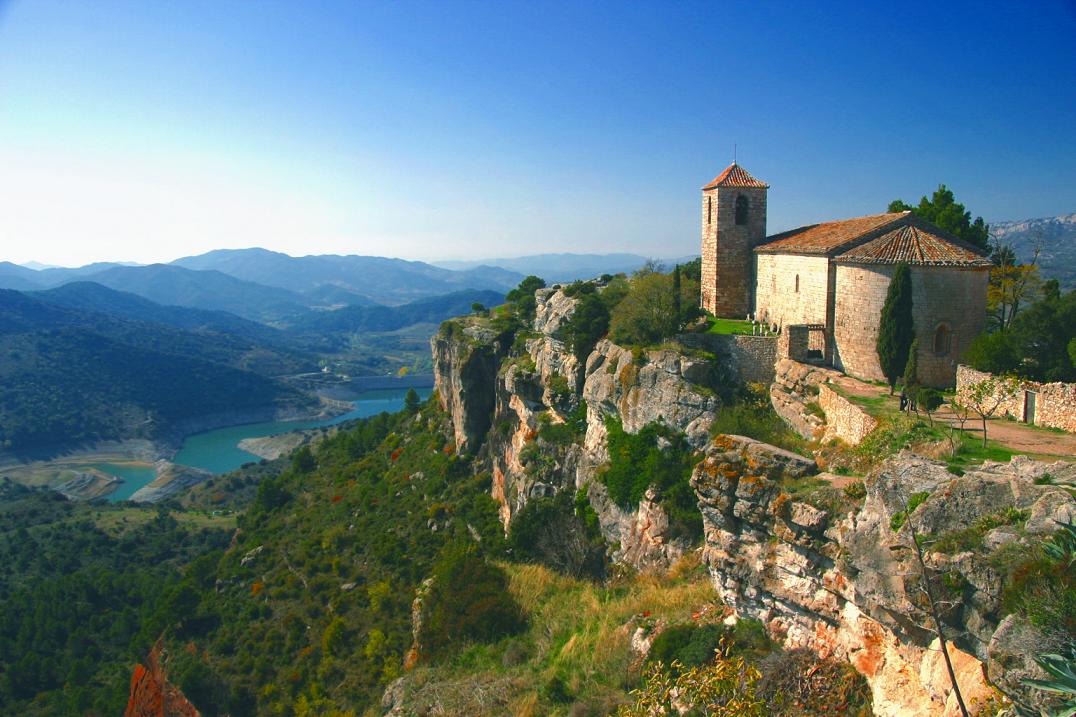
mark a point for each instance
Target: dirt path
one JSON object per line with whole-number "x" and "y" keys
{"x": 1018, "y": 437}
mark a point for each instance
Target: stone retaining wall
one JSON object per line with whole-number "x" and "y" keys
{"x": 844, "y": 419}
{"x": 1055, "y": 403}
{"x": 752, "y": 357}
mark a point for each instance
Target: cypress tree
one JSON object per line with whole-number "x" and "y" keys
{"x": 911, "y": 369}
{"x": 678, "y": 311}
{"x": 896, "y": 329}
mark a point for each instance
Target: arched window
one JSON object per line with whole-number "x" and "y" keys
{"x": 741, "y": 210}
{"x": 709, "y": 208}
{"x": 943, "y": 338}
{"x": 797, "y": 283}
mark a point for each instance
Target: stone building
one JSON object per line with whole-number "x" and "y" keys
{"x": 833, "y": 278}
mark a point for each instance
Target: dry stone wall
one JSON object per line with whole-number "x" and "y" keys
{"x": 1055, "y": 403}
{"x": 751, "y": 357}
{"x": 844, "y": 420}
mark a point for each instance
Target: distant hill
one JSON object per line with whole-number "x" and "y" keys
{"x": 559, "y": 268}
{"x": 69, "y": 376}
{"x": 13, "y": 276}
{"x": 360, "y": 319}
{"x": 210, "y": 290}
{"x": 90, "y": 296}
{"x": 379, "y": 279}
{"x": 1058, "y": 239}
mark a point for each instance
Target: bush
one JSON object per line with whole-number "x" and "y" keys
{"x": 468, "y": 601}
{"x": 636, "y": 463}
{"x": 751, "y": 414}
{"x": 689, "y": 644}
{"x": 556, "y": 532}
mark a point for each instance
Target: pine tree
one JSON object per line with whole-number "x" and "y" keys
{"x": 896, "y": 328}
{"x": 411, "y": 401}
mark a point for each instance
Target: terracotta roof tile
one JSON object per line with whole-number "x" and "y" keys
{"x": 735, "y": 176}
{"x": 827, "y": 238}
{"x": 915, "y": 244}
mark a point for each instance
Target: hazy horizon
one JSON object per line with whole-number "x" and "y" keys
{"x": 149, "y": 131}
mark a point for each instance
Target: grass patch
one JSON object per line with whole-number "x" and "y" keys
{"x": 577, "y": 646}
{"x": 728, "y": 327}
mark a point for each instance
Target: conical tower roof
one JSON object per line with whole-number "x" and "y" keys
{"x": 735, "y": 176}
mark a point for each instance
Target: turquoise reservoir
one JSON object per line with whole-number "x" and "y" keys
{"x": 218, "y": 451}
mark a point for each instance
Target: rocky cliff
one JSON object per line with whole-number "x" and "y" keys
{"x": 500, "y": 391}
{"x": 842, "y": 578}
{"x": 821, "y": 567}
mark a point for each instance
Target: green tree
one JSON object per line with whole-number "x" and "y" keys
{"x": 678, "y": 309}
{"x": 911, "y": 368}
{"x": 647, "y": 314}
{"x": 943, "y": 211}
{"x": 896, "y": 329}
{"x": 522, "y": 297}
{"x": 587, "y": 324}
{"x": 411, "y": 401}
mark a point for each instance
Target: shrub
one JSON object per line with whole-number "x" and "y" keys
{"x": 556, "y": 532}
{"x": 468, "y": 601}
{"x": 636, "y": 463}
{"x": 751, "y": 414}
{"x": 689, "y": 645}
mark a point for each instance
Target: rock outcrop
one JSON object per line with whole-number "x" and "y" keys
{"x": 171, "y": 480}
{"x": 849, "y": 585}
{"x": 152, "y": 695}
{"x": 507, "y": 394}
{"x": 796, "y": 385}
{"x": 466, "y": 357}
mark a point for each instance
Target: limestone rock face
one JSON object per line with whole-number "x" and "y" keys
{"x": 795, "y": 385}
{"x": 500, "y": 391}
{"x": 465, "y": 359}
{"x": 664, "y": 386}
{"x": 850, "y": 585}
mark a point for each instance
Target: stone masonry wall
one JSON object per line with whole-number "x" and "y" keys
{"x": 776, "y": 296}
{"x": 940, "y": 295}
{"x": 752, "y": 357}
{"x": 1055, "y": 405}
{"x": 727, "y": 249}
{"x": 844, "y": 420}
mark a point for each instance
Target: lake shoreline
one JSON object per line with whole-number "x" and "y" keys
{"x": 137, "y": 454}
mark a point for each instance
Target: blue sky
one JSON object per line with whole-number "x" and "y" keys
{"x": 150, "y": 130}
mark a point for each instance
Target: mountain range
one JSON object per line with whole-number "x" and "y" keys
{"x": 1054, "y": 236}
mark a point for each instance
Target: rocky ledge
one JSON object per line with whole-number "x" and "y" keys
{"x": 850, "y": 585}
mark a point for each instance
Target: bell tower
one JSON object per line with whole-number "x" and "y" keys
{"x": 733, "y": 223}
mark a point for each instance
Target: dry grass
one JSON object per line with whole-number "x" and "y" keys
{"x": 579, "y": 633}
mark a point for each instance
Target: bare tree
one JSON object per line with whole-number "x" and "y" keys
{"x": 987, "y": 396}
{"x": 932, "y": 602}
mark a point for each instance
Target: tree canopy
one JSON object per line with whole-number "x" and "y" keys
{"x": 946, "y": 213}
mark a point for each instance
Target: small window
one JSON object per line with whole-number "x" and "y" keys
{"x": 797, "y": 283}
{"x": 943, "y": 338}
{"x": 709, "y": 208}
{"x": 741, "y": 210}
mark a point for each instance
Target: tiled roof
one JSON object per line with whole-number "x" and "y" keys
{"x": 914, "y": 243}
{"x": 735, "y": 176}
{"x": 827, "y": 238}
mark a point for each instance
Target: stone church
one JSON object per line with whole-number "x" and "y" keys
{"x": 833, "y": 277}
